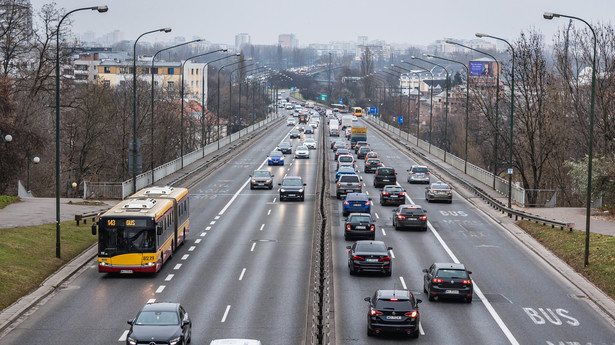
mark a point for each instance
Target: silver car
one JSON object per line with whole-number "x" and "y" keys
{"x": 418, "y": 174}
{"x": 439, "y": 191}
{"x": 302, "y": 152}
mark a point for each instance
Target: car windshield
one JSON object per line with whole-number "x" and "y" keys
{"x": 393, "y": 305}
{"x": 302, "y": 148}
{"x": 261, "y": 174}
{"x": 360, "y": 219}
{"x": 276, "y": 154}
{"x": 386, "y": 171}
{"x": 420, "y": 170}
{"x": 284, "y": 145}
{"x": 292, "y": 182}
{"x": 356, "y": 197}
{"x": 309, "y": 140}
{"x": 157, "y": 318}
{"x": 371, "y": 247}
{"x": 450, "y": 273}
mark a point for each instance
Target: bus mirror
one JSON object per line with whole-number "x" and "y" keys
{"x": 159, "y": 230}
{"x": 94, "y": 229}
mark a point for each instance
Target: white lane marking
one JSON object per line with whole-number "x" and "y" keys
{"x": 197, "y": 241}
{"x": 124, "y": 336}
{"x": 366, "y": 192}
{"x": 208, "y": 228}
{"x": 288, "y": 169}
{"x": 262, "y": 227}
{"x": 191, "y": 248}
{"x": 217, "y": 217}
{"x": 178, "y": 266}
{"x": 421, "y": 328}
{"x": 392, "y": 254}
{"x": 151, "y": 300}
{"x": 274, "y": 199}
{"x": 212, "y": 222}
{"x": 228, "y": 307}
{"x": 269, "y": 212}
{"x": 383, "y": 233}
{"x": 203, "y": 234}
{"x": 243, "y": 271}
{"x": 185, "y": 256}
{"x": 376, "y": 214}
{"x": 285, "y": 175}
{"x": 169, "y": 277}
{"x": 160, "y": 288}
{"x": 228, "y": 204}
{"x": 403, "y": 283}
{"x": 253, "y": 245}
{"x": 511, "y": 338}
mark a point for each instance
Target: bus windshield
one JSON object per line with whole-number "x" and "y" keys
{"x": 122, "y": 239}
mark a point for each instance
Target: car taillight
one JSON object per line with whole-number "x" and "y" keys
{"x": 367, "y": 203}
{"x": 449, "y": 191}
{"x": 339, "y": 185}
{"x": 385, "y": 193}
{"x": 402, "y": 194}
{"x": 411, "y": 313}
{"x": 436, "y": 280}
{"x": 432, "y": 191}
{"x": 346, "y": 203}
{"x": 412, "y": 173}
{"x": 384, "y": 258}
{"x": 372, "y": 227}
{"x": 399, "y": 216}
{"x": 348, "y": 227}
{"x": 466, "y": 282}
{"x": 358, "y": 258}
{"x": 427, "y": 173}
{"x": 423, "y": 217}
{"x": 373, "y": 312}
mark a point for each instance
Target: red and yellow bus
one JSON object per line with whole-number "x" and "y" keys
{"x": 342, "y": 108}
{"x": 357, "y": 111}
{"x": 140, "y": 233}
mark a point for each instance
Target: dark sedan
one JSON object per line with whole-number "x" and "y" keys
{"x": 409, "y": 216}
{"x": 160, "y": 323}
{"x": 359, "y": 225}
{"x": 371, "y": 164}
{"x": 448, "y": 280}
{"x": 285, "y": 147}
{"x": 393, "y": 311}
{"x": 369, "y": 256}
{"x": 275, "y": 158}
{"x": 292, "y": 187}
{"x": 261, "y": 179}
{"x": 295, "y": 134}
{"x": 340, "y": 152}
{"x": 392, "y": 195}
{"x": 362, "y": 152}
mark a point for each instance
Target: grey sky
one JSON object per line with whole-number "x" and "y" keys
{"x": 321, "y": 21}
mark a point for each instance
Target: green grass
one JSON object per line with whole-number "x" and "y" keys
{"x": 28, "y": 256}
{"x": 7, "y": 200}
{"x": 570, "y": 247}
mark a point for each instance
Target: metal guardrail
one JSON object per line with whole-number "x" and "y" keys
{"x": 476, "y": 190}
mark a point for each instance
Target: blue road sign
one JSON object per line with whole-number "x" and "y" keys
{"x": 400, "y": 119}
{"x": 341, "y": 101}
{"x": 373, "y": 110}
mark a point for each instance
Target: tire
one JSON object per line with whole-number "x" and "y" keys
{"x": 337, "y": 196}
{"x": 302, "y": 198}
{"x": 388, "y": 273}
{"x": 425, "y": 229}
{"x": 381, "y": 203}
{"x": 469, "y": 299}
{"x": 344, "y": 214}
{"x": 271, "y": 187}
{"x": 415, "y": 334}
{"x": 370, "y": 333}
{"x": 431, "y": 297}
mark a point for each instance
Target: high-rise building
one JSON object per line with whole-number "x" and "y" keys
{"x": 288, "y": 41}
{"x": 241, "y": 39}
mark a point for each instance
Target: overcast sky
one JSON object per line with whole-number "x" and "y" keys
{"x": 321, "y": 21}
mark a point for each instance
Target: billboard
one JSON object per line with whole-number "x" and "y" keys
{"x": 483, "y": 68}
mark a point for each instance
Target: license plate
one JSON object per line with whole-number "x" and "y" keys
{"x": 360, "y": 227}
{"x": 371, "y": 260}
{"x": 393, "y": 196}
{"x": 349, "y": 190}
{"x": 385, "y": 180}
{"x": 356, "y": 205}
{"x": 451, "y": 292}
{"x": 126, "y": 271}
{"x": 391, "y": 317}
{"x": 291, "y": 194}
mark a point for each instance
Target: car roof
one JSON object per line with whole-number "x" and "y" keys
{"x": 450, "y": 265}
{"x": 388, "y": 294}
{"x": 292, "y": 178}
{"x": 419, "y": 166}
{"x": 161, "y": 306}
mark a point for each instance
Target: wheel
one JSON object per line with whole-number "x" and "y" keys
{"x": 271, "y": 187}
{"x": 345, "y": 237}
{"x": 302, "y": 198}
{"x": 431, "y": 297}
{"x": 425, "y": 229}
{"x": 381, "y": 203}
{"x": 251, "y": 186}
{"x": 424, "y": 289}
{"x": 469, "y": 299}
{"x": 344, "y": 214}
{"x": 388, "y": 273}
{"x": 450, "y": 201}
{"x": 337, "y": 196}
{"x": 370, "y": 333}
{"x": 415, "y": 334}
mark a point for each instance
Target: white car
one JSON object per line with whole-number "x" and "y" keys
{"x": 310, "y": 143}
{"x": 291, "y": 121}
{"x": 314, "y": 124}
{"x": 302, "y": 152}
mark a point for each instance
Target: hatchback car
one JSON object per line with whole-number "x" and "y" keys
{"x": 356, "y": 202}
{"x": 392, "y": 195}
{"x": 292, "y": 187}
{"x": 291, "y": 121}
{"x": 294, "y": 134}
{"x": 385, "y": 176}
{"x": 439, "y": 191}
{"x": 275, "y": 158}
{"x": 359, "y": 144}
{"x": 160, "y": 323}
{"x": 448, "y": 280}
{"x": 339, "y": 145}
{"x": 261, "y": 179}
{"x": 410, "y": 216}
{"x": 393, "y": 311}
{"x": 336, "y": 143}
{"x": 362, "y": 152}
{"x": 310, "y": 143}
{"x": 371, "y": 165}
{"x": 302, "y": 152}
{"x": 285, "y": 147}
{"x": 369, "y": 256}
{"x": 360, "y": 225}
{"x": 418, "y": 174}
{"x": 301, "y": 128}
{"x": 371, "y": 154}
{"x": 344, "y": 170}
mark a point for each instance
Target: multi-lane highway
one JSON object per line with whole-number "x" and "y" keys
{"x": 244, "y": 271}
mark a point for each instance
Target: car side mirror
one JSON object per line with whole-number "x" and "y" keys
{"x": 279, "y": 184}
{"x": 408, "y": 170}
{"x": 418, "y": 300}
{"x": 393, "y": 210}
{"x": 131, "y": 321}
{"x": 369, "y": 199}
{"x": 185, "y": 322}
{"x": 361, "y": 178}
{"x": 368, "y": 299}
{"x": 305, "y": 184}
{"x": 425, "y": 270}
{"x": 250, "y": 175}
{"x": 272, "y": 175}
{"x": 469, "y": 272}
{"x": 390, "y": 248}
{"x": 94, "y": 229}
{"x": 348, "y": 247}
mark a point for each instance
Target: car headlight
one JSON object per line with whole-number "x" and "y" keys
{"x": 131, "y": 341}
{"x": 301, "y": 190}
{"x": 174, "y": 341}
{"x": 282, "y": 158}
{"x": 282, "y": 190}
{"x": 253, "y": 181}
{"x": 268, "y": 181}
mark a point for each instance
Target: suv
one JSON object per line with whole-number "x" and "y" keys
{"x": 348, "y": 183}
{"x": 345, "y": 160}
{"x": 292, "y": 188}
{"x": 418, "y": 173}
{"x": 394, "y": 311}
{"x": 448, "y": 280}
{"x": 385, "y": 176}
{"x": 261, "y": 178}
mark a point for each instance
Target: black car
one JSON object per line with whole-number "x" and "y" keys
{"x": 285, "y": 147}
{"x": 295, "y": 134}
{"x": 359, "y": 144}
{"x": 261, "y": 179}
{"x": 292, "y": 187}
{"x": 392, "y": 195}
{"x": 393, "y": 311}
{"x": 160, "y": 323}
{"x": 359, "y": 225}
{"x": 410, "y": 216}
{"x": 371, "y": 164}
{"x": 339, "y": 152}
{"x": 369, "y": 256}
{"x": 385, "y": 176}
{"x": 448, "y": 280}
{"x": 363, "y": 150}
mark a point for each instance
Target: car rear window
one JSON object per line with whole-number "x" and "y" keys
{"x": 450, "y": 273}
{"x": 371, "y": 247}
{"x": 394, "y": 189}
{"x": 440, "y": 186}
{"x": 364, "y": 149}
{"x": 386, "y": 171}
{"x": 346, "y": 158}
{"x": 359, "y": 197}
{"x": 412, "y": 211}
{"x": 420, "y": 170}
{"x": 360, "y": 219}
{"x": 393, "y": 305}
{"x": 349, "y": 178}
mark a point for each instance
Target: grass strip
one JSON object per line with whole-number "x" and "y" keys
{"x": 6, "y": 200}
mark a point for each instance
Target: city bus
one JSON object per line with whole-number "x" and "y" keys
{"x": 357, "y": 111}
{"x": 140, "y": 233}
{"x": 342, "y": 108}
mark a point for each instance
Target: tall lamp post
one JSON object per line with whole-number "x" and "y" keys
{"x": 100, "y": 9}
{"x": 512, "y": 112}
{"x": 218, "y": 101}
{"x": 152, "y": 73}
{"x": 230, "y": 95}
{"x": 430, "y": 96}
{"x": 548, "y": 15}
{"x": 203, "y": 95}
{"x": 181, "y": 144}
{"x": 465, "y": 165}
{"x": 134, "y": 106}
{"x": 418, "y": 103}
{"x": 230, "y": 88}
{"x": 34, "y": 160}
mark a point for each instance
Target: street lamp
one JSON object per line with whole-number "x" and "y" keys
{"x": 548, "y": 15}
{"x": 497, "y": 102}
{"x": 152, "y": 73}
{"x": 181, "y": 144}
{"x": 465, "y": 165}
{"x": 34, "y": 160}
{"x": 6, "y": 138}
{"x": 430, "y": 96}
{"x": 218, "y": 101}
{"x": 230, "y": 89}
{"x": 203, "y": 95}
{"x": 512, "y": 112}
{"x": 418, "y": 103}
{"x": 134, "y": 106}
{"x": 100, "y": 9}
